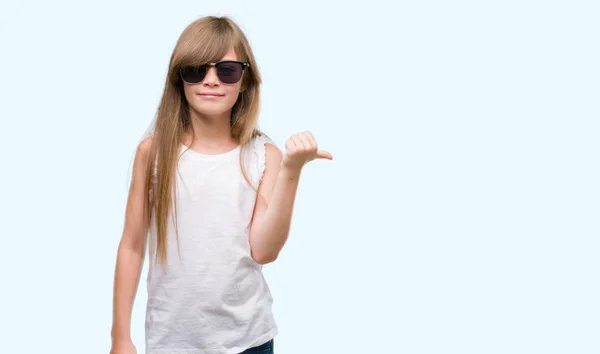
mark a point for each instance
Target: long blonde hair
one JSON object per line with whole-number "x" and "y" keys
{"x": 205, "y": 40}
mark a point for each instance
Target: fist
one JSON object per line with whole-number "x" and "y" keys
{"x": 123, "y": 347}
{"x": 300, "y": 149}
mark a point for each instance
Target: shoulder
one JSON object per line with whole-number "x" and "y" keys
{"x": 263, "y": 141}
{"x": 265, "y": 148}
{"x": 144, "y": 147}
{"x": 266, "y": 156}
{"x": 143, "y": 155}
{"x": 272, "y": 154}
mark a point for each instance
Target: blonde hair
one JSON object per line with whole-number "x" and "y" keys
{"x": 205, "y": 40}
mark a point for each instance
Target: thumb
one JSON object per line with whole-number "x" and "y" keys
{"x": 322, "y": 154}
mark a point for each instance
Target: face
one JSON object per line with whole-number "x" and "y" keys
{"x": 211, "y": 97}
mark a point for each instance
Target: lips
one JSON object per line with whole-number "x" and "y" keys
{"x": 211, "y": 94}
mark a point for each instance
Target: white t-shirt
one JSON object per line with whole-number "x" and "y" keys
{"x": 211, "y": 297}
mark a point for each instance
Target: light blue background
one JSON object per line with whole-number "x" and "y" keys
{"x": 459, "y": 215}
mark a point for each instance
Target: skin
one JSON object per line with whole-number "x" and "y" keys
{"x": 211, "y": 134}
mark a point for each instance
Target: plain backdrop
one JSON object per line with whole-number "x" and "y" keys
{"x": 459, "y": 215}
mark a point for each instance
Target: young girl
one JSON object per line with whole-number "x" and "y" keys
{"x": 216, "y": 196}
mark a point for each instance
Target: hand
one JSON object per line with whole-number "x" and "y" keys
{"x": 300, "y": 149}
{"x": 123, "y": 347}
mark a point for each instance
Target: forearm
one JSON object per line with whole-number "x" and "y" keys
{"x": 127, "y": 276}
{"x": 273, "y": 230}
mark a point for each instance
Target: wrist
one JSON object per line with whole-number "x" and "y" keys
{"x": 121, "y": 341}
{"x": 290, "y": 171}
{"x": 120, "y": 336}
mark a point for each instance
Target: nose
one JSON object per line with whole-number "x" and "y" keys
{"x": 211, "y": 78}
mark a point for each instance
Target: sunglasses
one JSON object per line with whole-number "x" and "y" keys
{"x": 228, "y": 72}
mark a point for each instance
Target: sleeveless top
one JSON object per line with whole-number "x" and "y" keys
{"x": 211, "y": 296}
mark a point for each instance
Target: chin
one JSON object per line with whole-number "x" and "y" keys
{"x": 211, "y": 111}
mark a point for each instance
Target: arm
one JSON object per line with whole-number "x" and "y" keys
{"x": 270, "y": 225}
{"x": 271, "y": 221}
{"x": 130, "y": 255}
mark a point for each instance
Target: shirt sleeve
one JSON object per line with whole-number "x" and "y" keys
{"x": 260, "y": 153}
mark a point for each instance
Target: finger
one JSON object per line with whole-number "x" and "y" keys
{"x": 311, "y": 139}
{"x": 290, "y": 145}
{"x": 322, "y": 154}
{"x": 298, "y": 141}
{"x": 305, "y": 141}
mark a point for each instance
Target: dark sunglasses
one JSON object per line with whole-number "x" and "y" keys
{"x": 229, "y": 72}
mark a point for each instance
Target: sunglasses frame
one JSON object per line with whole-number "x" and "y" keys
{"x": 208, "y": 65}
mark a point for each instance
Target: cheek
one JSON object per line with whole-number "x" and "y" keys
{"x": 232, "y": 94}
{"x": 232, "y": 98}
{"x": 189, "y": 92}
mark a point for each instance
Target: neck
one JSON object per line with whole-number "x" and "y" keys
{"x": 209, "y": 131}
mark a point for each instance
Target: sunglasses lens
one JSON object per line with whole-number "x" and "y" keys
{"x": 193, "y": 75}
{"x": 229, "y": 72}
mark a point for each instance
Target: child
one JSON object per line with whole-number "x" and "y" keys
{"x": 216, "y": 195}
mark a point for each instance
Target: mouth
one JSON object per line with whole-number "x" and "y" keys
{"x": 211, "y": 94}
